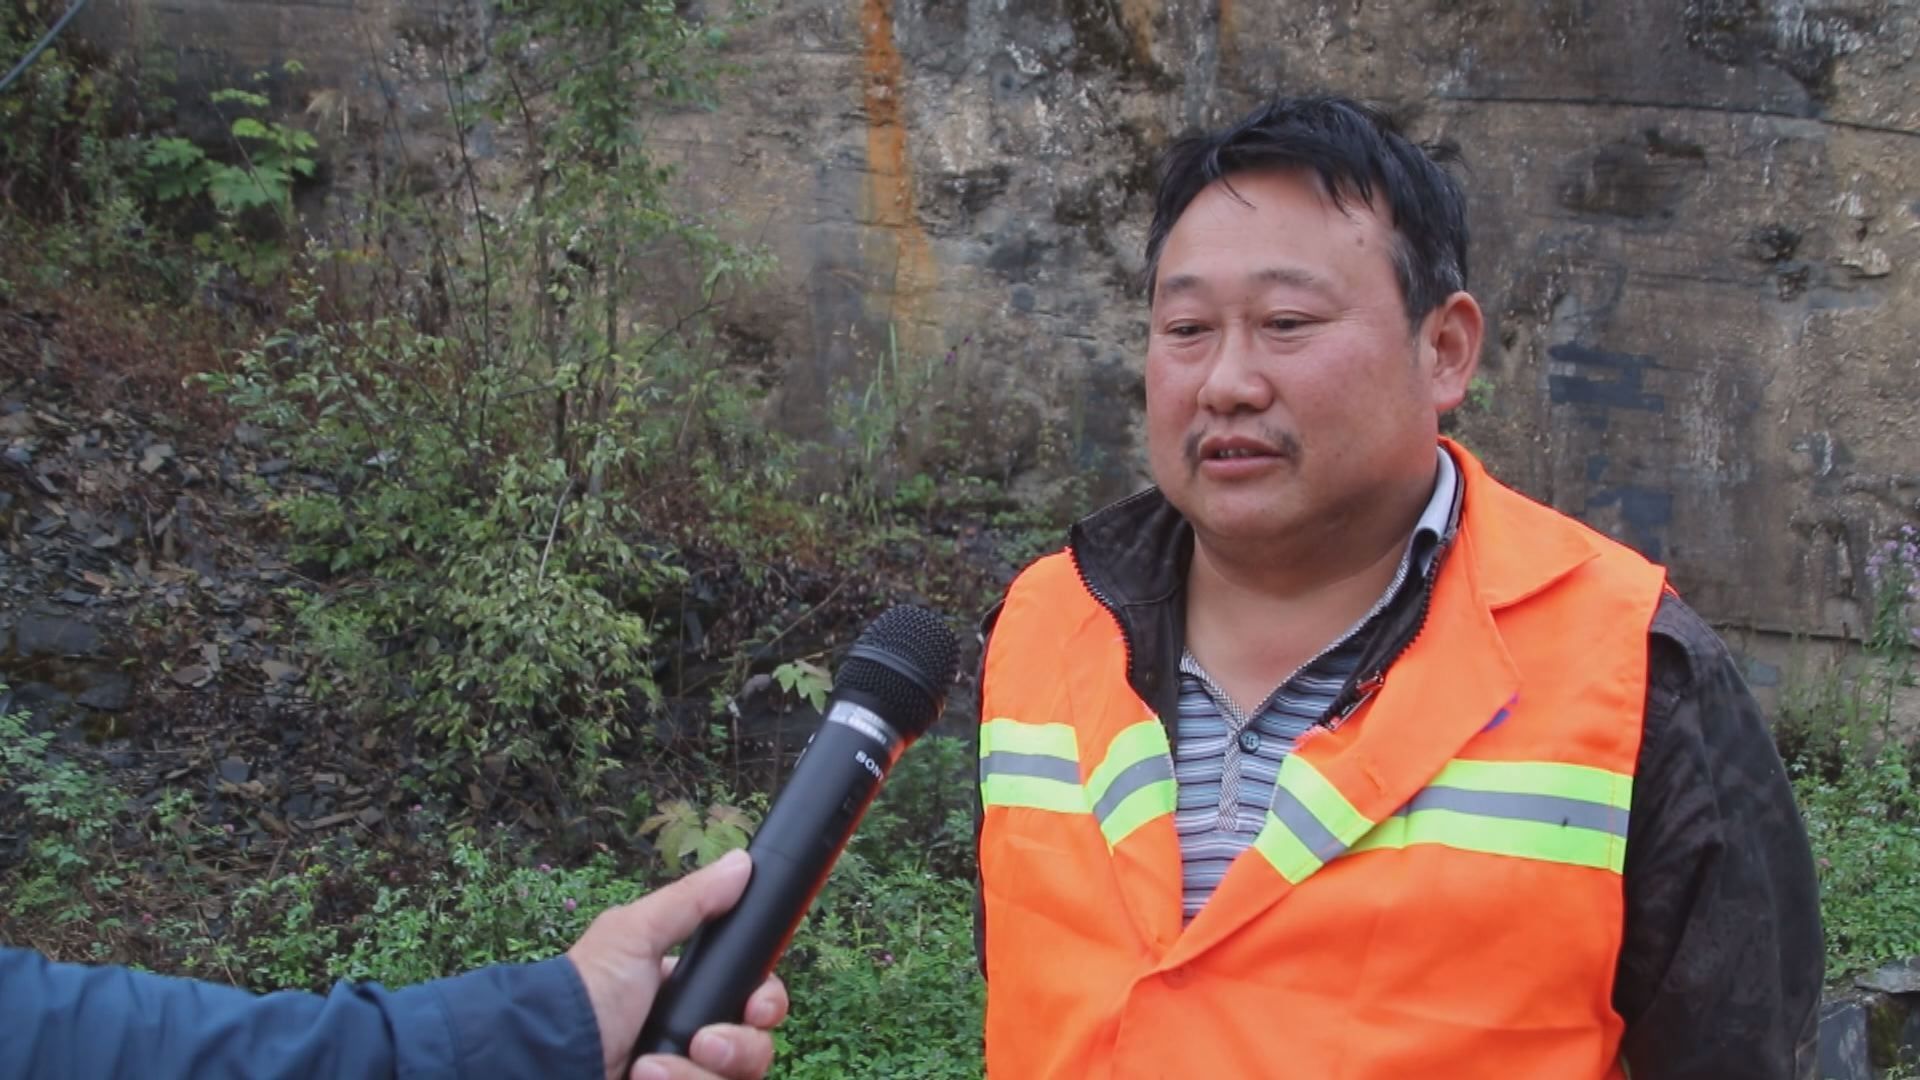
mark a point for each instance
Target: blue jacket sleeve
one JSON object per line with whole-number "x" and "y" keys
{"x": 62, "y": 1020}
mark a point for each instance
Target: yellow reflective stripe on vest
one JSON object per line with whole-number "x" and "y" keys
{"x": 1582, "y": 782}
{"x": 1052, "y": 740}
{"x": 1134, "y": 784}
{"x": 1539, "y": 840}
{"x": 1308, "y": 823}
{"x": 1548, "y": 811}
{"x": 1037, "y": 766}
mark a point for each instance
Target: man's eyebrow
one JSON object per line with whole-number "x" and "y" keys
{"x": 1295, "y": 276}
{"x": 1291, "y": 275}
{"x": 1179, "y": 283}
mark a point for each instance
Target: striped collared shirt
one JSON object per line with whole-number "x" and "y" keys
{"x": 1225, "y": 762}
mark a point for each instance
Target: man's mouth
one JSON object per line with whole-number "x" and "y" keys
{"x": 1268, "y": 445}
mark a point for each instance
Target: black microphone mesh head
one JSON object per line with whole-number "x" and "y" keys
{"x": 903, "y": 663}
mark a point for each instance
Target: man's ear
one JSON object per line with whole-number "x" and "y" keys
{"x": 1450, "y": 339}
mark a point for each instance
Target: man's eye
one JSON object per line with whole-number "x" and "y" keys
{"x": 1185, "y": 330}
{"x": 1285, "y": 323}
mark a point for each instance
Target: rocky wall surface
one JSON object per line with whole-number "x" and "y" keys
{"x": 1695, "y": 229}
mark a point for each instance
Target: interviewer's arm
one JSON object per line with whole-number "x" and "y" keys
{"x": 574, "y": 1016}
{"x": 65, "y": 1020}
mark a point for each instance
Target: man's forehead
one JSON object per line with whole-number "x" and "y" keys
{"x": 1299, "y": 277}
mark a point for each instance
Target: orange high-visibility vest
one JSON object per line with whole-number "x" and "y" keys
{"x": 1437, "y": 889}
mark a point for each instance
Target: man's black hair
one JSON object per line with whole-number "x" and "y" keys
{"x": 1355, "y": 150}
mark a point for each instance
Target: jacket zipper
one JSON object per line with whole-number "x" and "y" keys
{"x": 1100, "y": 596}
{"x": 1363, "y": 689}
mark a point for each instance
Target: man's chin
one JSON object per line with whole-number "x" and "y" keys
{"x": 1243, "y": 527}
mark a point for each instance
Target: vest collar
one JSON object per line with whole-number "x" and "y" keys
{"x": 1502, "y": 521}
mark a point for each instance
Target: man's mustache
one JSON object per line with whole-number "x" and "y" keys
{"x": 1282, "y": 441}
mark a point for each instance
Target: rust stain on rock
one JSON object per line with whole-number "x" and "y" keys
{"x": 1226, "y": 41}
{"x": 890, "y": 199}
{"x": 1136, "y": 18}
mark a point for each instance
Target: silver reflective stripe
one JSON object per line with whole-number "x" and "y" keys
{"x": 1300, "y": 821}
{"x": 1132, "y": 779}
{"x": 1547, "y": 809}
{"x": 1009, "y": 763}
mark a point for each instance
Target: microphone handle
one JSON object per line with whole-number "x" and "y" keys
{"x": 833, "y": 783}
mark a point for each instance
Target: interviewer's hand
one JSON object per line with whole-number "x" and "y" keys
{"x": 622, "y": 960}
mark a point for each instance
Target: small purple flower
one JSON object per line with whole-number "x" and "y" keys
{"x": 569, "y": 904}
{"x": 416, "y": 808}
{"x": 545, "y": 869}
{"x": 227, "y": 828}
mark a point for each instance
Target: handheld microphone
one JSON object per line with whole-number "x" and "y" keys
{"x": 889, "y": 691}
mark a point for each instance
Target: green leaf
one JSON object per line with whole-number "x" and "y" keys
{"x": 235, "y": 189}
{"x": 722, "y": 815}
{"x": 173, "y": 152}
{"x": 240, "y": 97}
{"x": 683, "y": 839}
{"x": 805, "y": 680}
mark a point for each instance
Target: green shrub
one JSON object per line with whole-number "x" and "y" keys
{"x": 99, "y": 188}
{"x": 475, "y": 907}
{"x": 1858, "y": 786}
{"x": 65, "y": 98}
{"x": 251, "y": 197}
{"x": 486, "y": 588}
{"x": 499, "y": 496}
{"x": 881, "y": 974}
{"x": 883, "y": 981}
{"x": 484, "y": 596}
{"x": 70, "y": 813}
{"x": 72, "y": 198}
{"x": 1865, "y": 830}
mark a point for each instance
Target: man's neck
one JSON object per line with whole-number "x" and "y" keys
{"x": 1255, "y": 617}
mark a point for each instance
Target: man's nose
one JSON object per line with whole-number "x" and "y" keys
{"x": 1237, "y": 379}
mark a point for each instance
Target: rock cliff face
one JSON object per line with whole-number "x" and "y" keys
{"x": 1695, "y": 230}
